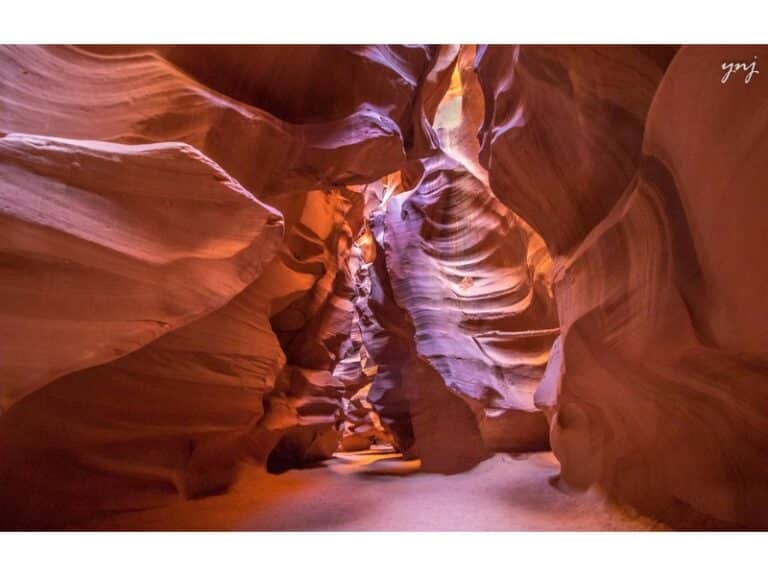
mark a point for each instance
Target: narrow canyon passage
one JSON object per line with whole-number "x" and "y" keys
{"x": 381, "y": 288}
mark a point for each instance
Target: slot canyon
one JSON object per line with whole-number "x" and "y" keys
{"x": 318, "y": 287}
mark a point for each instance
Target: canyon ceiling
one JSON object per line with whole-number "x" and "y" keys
{"x": 217, "y": 255}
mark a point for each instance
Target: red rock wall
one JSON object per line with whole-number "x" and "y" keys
{"x": 158, "y": 325}
{"x": 645, "y": 179}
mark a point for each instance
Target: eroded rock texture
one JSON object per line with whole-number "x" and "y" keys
{"x": 314, "y": 326}
{"x": 456, "y": 291}
{"x": 645, "y": 181}
{"x": 362, "y": 426}
{"x": 158, "y": 325}
{"x": 457, "y": 306}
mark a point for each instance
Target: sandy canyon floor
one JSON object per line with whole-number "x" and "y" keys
{"x": 377, "y": 490}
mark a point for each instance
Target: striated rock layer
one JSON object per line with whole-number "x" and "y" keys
{"x": 646, "y": 181}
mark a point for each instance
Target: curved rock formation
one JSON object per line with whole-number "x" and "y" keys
{"x": 141, "y": 98}
{"x": 457, "y": 307}
{"x": 162, "y": 260}
{"x": 656, "y": 390}
{"x": 575, "y": 119}
{"x": 305, "y": 84}
{"x": 108, "y": 246}
{"x": 477, "y": 324}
